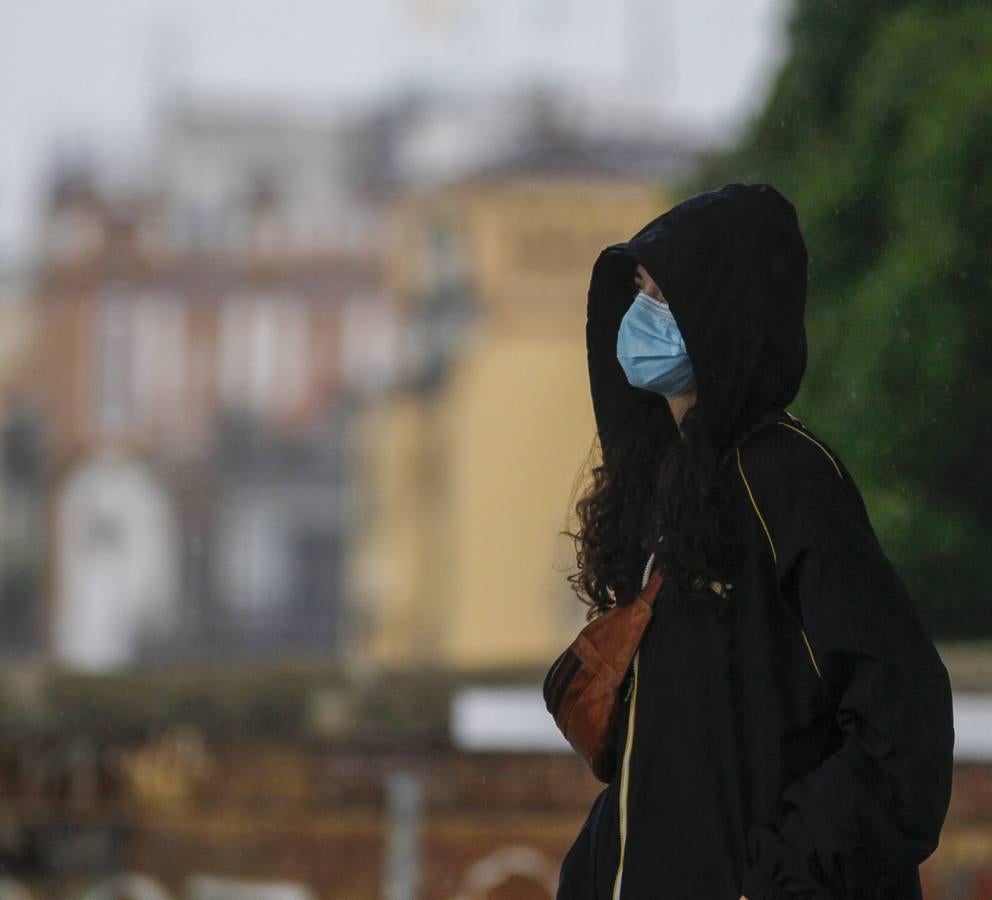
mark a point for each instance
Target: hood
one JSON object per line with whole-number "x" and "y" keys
{"x": 732, "y": 265}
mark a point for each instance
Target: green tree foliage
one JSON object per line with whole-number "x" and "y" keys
{"x": 879, "y": 129}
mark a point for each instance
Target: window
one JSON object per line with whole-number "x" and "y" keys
{"x": 113, "y": 362}
{"x": 263, "y": 352}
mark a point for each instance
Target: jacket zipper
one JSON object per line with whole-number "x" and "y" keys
{"x": 771, "y": 543}
{"x": 625, "y": 781}
{"x": 625, "y": 767}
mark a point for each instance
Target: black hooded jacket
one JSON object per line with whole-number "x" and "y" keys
{"x": 795, "y": 738}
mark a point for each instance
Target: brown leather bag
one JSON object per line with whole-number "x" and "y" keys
{"x": 582, "y": 687}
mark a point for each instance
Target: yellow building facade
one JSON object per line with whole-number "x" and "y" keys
{"x": 459, "y": 558}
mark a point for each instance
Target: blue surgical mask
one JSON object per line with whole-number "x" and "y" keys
{"x": 650, "y": 348}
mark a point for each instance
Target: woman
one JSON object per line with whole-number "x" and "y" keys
{"x": 787, "y": 727}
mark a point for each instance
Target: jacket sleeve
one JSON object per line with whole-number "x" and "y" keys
{"x": 872, "y": 811}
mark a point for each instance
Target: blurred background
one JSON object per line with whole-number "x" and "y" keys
{"x": 294, "y": 407}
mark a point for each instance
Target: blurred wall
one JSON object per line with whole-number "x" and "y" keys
{"x": 472, "y": 478}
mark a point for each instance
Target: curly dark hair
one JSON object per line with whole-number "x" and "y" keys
{"x": 643, "y": 496}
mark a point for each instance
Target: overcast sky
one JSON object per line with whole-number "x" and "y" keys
{"x": 89, "y": 73}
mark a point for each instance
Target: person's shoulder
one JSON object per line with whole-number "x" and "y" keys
{"x": 790, "y": 453}
{"x": 799, "y": 484}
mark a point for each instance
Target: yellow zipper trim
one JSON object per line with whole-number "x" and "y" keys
{"x": 809, "y": 649}
{"x": 754, "y": 503}
{"x": 818, "y": 444}
{"x": 624, "y": 782}
{"x": 840, "y": 475}
{"x": 771, "y": 543}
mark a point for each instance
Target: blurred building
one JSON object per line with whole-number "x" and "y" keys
{"x": 192, "y": 373}
{"x": 473, "y": 470}
{"x": 22, "y": 531}
{"x": 315, "y": 384}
